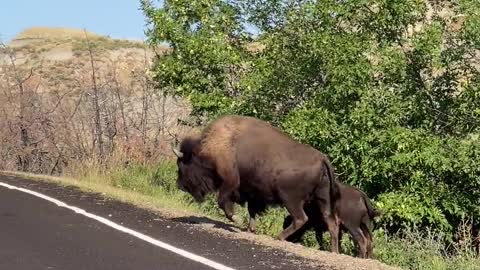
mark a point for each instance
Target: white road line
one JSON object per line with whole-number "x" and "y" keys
{"x": 114, "y": 225}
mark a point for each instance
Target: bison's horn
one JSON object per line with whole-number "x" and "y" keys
{"x": 177, "y": 152}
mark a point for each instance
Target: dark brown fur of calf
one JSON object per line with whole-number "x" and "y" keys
{"x": 354, "y": 214}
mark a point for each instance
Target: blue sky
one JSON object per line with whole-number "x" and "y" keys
{"x": 117, "y": 18}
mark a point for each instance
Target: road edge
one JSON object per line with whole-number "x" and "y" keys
{"x": 266, "y": 241}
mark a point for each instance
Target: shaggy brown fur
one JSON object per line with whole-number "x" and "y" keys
{"x": 354, "y": 214}
{"x": 247, "y": 159}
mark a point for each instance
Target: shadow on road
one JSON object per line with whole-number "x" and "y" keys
{"x": 205, "y": 220}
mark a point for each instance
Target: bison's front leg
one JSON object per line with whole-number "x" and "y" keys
{"x": 252, "y": 212}
{"x": 227, "y": 206}
{"x": 228, "y": 190}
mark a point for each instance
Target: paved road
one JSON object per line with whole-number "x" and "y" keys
{"x": 38, "y": 234}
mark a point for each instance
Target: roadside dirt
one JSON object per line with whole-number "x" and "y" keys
{"x": 148, "y": 217}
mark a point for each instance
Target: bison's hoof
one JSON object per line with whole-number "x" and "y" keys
{"x": 234, "y": 219}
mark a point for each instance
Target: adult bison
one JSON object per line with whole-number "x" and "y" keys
{"x": 246, "y": 157}
{"x": 354, "y": 214}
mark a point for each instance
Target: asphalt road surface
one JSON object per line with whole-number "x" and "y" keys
{"x": 36, "y": 233}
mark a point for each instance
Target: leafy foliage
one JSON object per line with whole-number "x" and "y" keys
{"x": 388, "y": 89}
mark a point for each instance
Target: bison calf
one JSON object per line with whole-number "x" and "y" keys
{"x": 353, "y": 212}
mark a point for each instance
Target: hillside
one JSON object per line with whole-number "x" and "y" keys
{"x": 62, "y": 49}
{"x": 56, "y": 112}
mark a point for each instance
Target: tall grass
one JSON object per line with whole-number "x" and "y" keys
{"x": 412, "y": 249}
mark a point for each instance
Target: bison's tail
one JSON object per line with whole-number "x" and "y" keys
{"x": 334, "y": 191}
{"x": 372, "y": 211}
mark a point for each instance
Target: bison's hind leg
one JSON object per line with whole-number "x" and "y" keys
{"x": 295, "y": 209}
{"x": 333, "y": 226}
{"x": 369, "y": 239}
{"x": 319, "y": 234}
{"x": 359, "y": 238}
{"x": 296, "y": 236}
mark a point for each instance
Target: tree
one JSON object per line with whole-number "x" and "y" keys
{"x": 207, "y": 38}
{"x": 388, "y": 89}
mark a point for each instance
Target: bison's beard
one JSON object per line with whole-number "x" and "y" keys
{"x": 198, "y": 196}
{"x": 200, "y": 184}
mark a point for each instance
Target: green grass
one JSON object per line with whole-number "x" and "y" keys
{"x": 154, "y": 186}
{"x": 423, "y": 250}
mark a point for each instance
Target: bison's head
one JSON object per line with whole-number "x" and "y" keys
{"x": 195, "y": 173}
